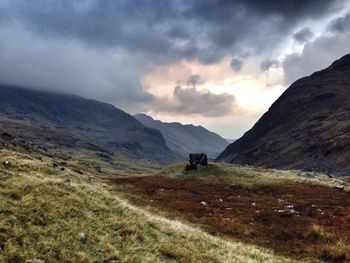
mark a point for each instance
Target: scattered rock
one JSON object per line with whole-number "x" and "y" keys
{"x": 35, "y": 260}
{"x": 62, "y": 169}
{"x": 82, "y": 235}
{"x": 7, "y": 163}
{"x": 55, "y": 165}
{"x": 310, "y": 174}
{"x": 98, "y": 169}
{"x": 301, "y": 181}
{"x": 77, "y": 171}
{"x": 204, "y": 203}
{"x": 7, "y": 176}
{"x": 253, "y": 204}
{"x": 339, "y": 187}
{"x": 90, "y": 178}
{"x": 280, "y": 210}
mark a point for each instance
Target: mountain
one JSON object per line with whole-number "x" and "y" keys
{"x": 307, "y": 127}
{"x": 43, "y": 121}
{"x": 183, "y": 139}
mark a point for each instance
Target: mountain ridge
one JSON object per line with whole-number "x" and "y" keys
{"x": 306, "y": 128}
{"x": 90, "y": 122}
{"x": 185, "y": 138}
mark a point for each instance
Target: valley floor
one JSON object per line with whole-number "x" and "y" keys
{"x": 299, "y": 219}
{"x": 65, "y": 212}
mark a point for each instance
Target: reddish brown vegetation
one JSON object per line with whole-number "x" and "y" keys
{"x": 297, "y": 220}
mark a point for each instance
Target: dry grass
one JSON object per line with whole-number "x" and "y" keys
{"x": 63, "y": 216}
{"x": 259, "y": 206}
{"x": 247, "y": 176}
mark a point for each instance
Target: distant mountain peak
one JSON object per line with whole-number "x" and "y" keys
{"x": 184, "y": 139}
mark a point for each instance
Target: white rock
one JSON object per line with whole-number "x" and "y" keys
{"x": 82, "y": 235}
{"x": 301, "y": 181}
{"x": 204, "y": 203}
{"x": 35, "y": 260}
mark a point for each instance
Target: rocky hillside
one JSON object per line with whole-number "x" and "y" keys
{"x": 43, "y": 121}
{"x": 183, "y": 139}
{"x": 308, "y": 127}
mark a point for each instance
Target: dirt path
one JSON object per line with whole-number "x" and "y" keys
{"x": 297, "y": 220}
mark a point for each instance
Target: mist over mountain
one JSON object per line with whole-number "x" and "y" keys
{"x": 184, "y": 139}
{"x": 308, "y": 127}
{"x": 51, "y": 120}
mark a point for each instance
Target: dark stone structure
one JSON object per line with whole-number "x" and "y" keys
{"x": 195, "y": 160}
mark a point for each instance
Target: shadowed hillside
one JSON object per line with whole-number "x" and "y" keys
{"x": 308, "y": 127}
{"x": 183, "y": 139}
{"x": 43, "y": 120}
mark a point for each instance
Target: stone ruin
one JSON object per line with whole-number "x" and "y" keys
{"x": 196, "y": 160}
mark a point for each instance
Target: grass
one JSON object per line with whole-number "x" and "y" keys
{"x": 265, "y": 207}
{"x": 247, "y": 176}
{"x": 63, "y": 216}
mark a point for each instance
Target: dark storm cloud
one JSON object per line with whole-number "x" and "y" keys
{"x": 156, "y": 27}
{"x": 303, "y": 35}
{"x": 236, "y": 64}
{"x": 103, "y": 48}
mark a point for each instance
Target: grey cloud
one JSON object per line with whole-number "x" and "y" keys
{"x": 236, "y": 64}
{"x": 189, "y": 100}
{"x": 69, "y": 67}
{"x": 316, "y": 55}
{"x": 102, "y": 49}
{"x": 303, "y": 35}
{"x": 194, "y": 80}
{"x": 155, "y": 27}
{"x": 341, "y": 24}
{"x": 268, "y": 63}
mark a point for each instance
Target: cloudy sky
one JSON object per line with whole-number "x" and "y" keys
{"x": 214, "y": 63}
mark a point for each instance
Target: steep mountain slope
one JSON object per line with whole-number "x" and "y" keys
{"x": 48, "y": 119}
{"x": 308, "y": 127}
{"x": 183, "y": 139}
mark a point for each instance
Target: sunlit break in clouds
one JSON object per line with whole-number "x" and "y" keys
{"x": 214, "y": 63}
